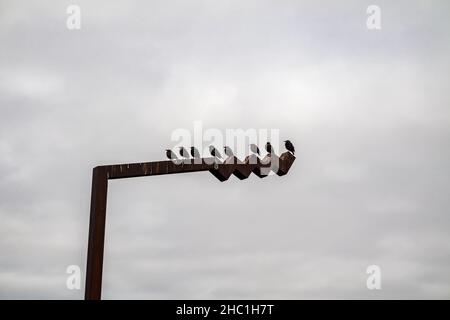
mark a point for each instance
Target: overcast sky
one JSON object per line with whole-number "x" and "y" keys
{"x": 368, "y": 112}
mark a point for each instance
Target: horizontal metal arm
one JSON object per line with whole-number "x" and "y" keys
{"x": 141, "y": 169}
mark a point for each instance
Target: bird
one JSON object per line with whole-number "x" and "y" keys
{"x": 195, "y": 153}
{"x": 228, "y": 151}
{"x": 170, "y": 154}
{"x": 214, "y": 152}
{"x": 184, "y": 153}
{"x": 254, "y": 148}
{"x": 289, "y": 146}
{"x": 269, "y": 148}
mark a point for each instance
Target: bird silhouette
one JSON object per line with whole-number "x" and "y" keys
{"x": 214, "y": 152}
{"x": 228, "y": 151}
{"x": 269, "y": 148}
{"x": 170, "y": 154}
{"x": 184, "y": 153}
{"x": 195, "y": 153}
{"x": 289, "y": 146}
{"x": 254, "y": 148}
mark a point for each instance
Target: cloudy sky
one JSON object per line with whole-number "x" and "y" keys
{"x": 368, "y": 112}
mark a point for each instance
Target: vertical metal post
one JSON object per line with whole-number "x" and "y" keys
{"x": 93, "y": 289}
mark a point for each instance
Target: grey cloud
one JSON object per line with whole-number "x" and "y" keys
{"x": 367, "y": 111}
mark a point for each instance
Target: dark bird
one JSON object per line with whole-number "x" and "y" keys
{"x": 195, "y": 153}
{"x": 289, "y": 146}
{"x": 269, "y": 148}
{"x": 170, "y": 154}
{"x": 228, "y": 151}
{"x": 254, "y": 148}
{"x": 184, "y": 153}
{"x": 214, "y": 152}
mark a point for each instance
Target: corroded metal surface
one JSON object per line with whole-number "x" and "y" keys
{"x": 221, "y": 170}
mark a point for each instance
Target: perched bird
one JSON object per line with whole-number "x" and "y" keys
{"x": 170, "y": 154}
{"x": 214, "y": 152}
{"x": 228, "y": 151}
{"x": 269, "y": 148}
{"x": 195, "y": 153}
{"x": 289, "y": 146}
{"x": 254, "y": 148}
{"x": 184, "y": 153}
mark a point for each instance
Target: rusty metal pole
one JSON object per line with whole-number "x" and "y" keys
{"x": 96, "y": 242}
{"x": 101, "y": 174}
